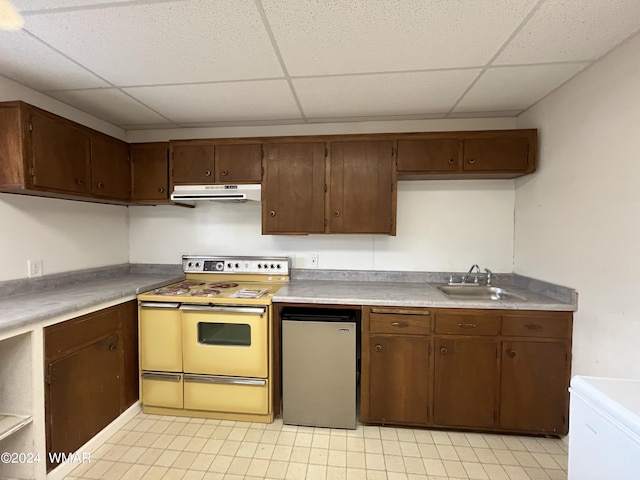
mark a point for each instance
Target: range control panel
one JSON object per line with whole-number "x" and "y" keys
{"x": 253, "y": 265}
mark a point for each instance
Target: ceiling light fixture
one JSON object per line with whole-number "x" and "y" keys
{"x": 10, "y": 19}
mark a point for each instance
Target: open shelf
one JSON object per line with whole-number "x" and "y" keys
{"x": 10, "y": 424}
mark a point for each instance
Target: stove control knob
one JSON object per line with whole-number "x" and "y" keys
{"x": 237, "y": 265}
{"x": 190, "y": 264}
{"x": 259, "y": 266}
{"x": 278, "y": 266}
{"x": 197, "y": 264}
{"x": 273, "y": 266}
{"x": 228, "y": 265}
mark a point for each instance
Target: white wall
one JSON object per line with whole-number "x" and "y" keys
{"x": 66, "y": 235}
{"x": 578, "y": 219}
{"x": 442, "y": 225}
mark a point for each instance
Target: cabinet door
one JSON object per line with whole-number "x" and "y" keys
{"x": 293, "y": 189}
{"x": 83, "y": 393}
{"x": 239, "y": 163}
{"x": 110, "y": 168}
{"x": 192, "y": 162}
{"x": 150, "y": 171}
{"x": 534, "y": 386}
{"x": 496, "y": 154}
{"x": 466, "y": 382}
{"x": 438, "y": 155}
{"x": 362, "y": 187}
{"x": 399, "y": 379}
{"x": 60, "y": 154}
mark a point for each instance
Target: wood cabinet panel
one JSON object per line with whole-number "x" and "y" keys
{"x": 466, "y": 382}
{"x": 399, "y": 383}
{"x": 150, "y": 172}
{"x": 535, "y": 378}
{"x": 362, "y": 187}
{"x": 402, "y": 324}
{"x": 238, "y": 163}
{"x": 91, "y": 374}
{"x": 467, "y": 324}
{"x": 548, "y": 325}
{"x": 497, "y": 154}
{"x": 60, "y": 154}
{"x": 110, "y": 168}
{"x": 293, "y": 191}
{"x": 192, "y": 162}
{"x": 437, "y": 155}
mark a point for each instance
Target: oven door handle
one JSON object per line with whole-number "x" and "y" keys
{"x": 225, "y": 380}
{"x": 210, "y": 308}
{"x": 159, "y": 305}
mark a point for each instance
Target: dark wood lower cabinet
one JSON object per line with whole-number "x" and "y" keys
{"x": 400, "y": 380}
{"x": 534, "y": 386}
{"x": 466, "y": 382}
{"x": 91, "y": 375}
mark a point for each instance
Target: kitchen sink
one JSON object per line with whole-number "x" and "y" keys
{"x": 479, "y": 292}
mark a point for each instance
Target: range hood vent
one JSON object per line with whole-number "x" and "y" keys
{"x": 216, "y": 193}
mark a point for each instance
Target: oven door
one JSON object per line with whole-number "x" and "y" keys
{"x": 221, "y": 340}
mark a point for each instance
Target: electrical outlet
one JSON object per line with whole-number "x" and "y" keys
{"x": 313, "y": 260}
{"x": 35, "y": 268}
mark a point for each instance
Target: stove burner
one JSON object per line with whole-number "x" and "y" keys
{"x": 194, "y": 288}
{"x": 223, "y": 285}
{"x": 205, "y": 292}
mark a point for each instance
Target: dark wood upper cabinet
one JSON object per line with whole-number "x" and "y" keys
{"x": 438, "y": 155}
{"x": 192, "y": 162}
{"x": 110, "y": 168}
{"x": 238, "y": 163}
{"x": 60, "y": 154}
{"x": 482, "y": 154}
{"x": 293, "y": 190}
{"x": 362, "y": 187}
{"x": 150, "y": 172}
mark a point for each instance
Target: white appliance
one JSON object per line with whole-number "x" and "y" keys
{"x": 604, "y": 429}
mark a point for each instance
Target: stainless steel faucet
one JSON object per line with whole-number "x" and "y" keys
{"x": 468, "y": 274}
{"x": 489, "y": 277}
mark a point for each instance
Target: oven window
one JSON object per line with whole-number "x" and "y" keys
{"x": 231, "y": 334}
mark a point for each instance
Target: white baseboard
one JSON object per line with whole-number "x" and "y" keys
{"x": 92, "y": 445}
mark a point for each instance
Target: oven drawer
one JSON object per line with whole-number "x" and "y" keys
{"x": 161, "y": 389}
{"x": 226, "y": 394}
{"x": 160, "y": 333}
{"x": 225, "y": 341}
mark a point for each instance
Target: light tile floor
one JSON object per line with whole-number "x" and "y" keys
{"x": 152, "y": 447}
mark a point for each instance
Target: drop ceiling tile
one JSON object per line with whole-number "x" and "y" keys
{"x": 24, "y": 59}
{"x": 31, "y": 5}
{"x": 221, "y": 102}
{"x": 163, "y": 43}
{"x": 382, "y": 94}
{"x": 337, "y": 36}
{"x": 563, "y": 30}
{"x": 111, "y": 105}
{"x": 515, "y": 88}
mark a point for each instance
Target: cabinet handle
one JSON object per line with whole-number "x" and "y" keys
{"x": 336, "y": 213}
{"x": 400, "y": 324}
{"x": 225, "y": 173}
{"x": 161, "y": 190}
{"x": 533, "y": 326}
{"x": 112, "y": 347}
{"x": 512, "y": 354}
{"x": 444, "y": 350}
{"x": 79, "y": 181}
{"x": 451, "y": 161}
{"x": 467, "y": 325}
{"x": 100, "y": 185}
{"x": 272, "y": 213}
{"x": 471, "y": 161}
{"x": 207, "y": 173}
{"x": 378, "y": 348}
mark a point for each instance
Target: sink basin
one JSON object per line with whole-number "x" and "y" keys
{"x": 479, "y": 292}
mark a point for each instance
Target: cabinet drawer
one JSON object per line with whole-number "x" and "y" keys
{"x": 454, "y": 324}
{"x": 162, "y": 389}
{"x": 534, "y": 326}
{"x": 399, "y": 323}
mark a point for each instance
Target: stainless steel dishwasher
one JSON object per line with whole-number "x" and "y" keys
{"x": 319, "y": 366}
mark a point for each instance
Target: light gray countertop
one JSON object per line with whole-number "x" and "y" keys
{"x": 22, "y": 309}
{"x": 405, "y": 294}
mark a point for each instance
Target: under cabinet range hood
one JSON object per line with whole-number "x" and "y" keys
{"x": 216, "y": 193}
